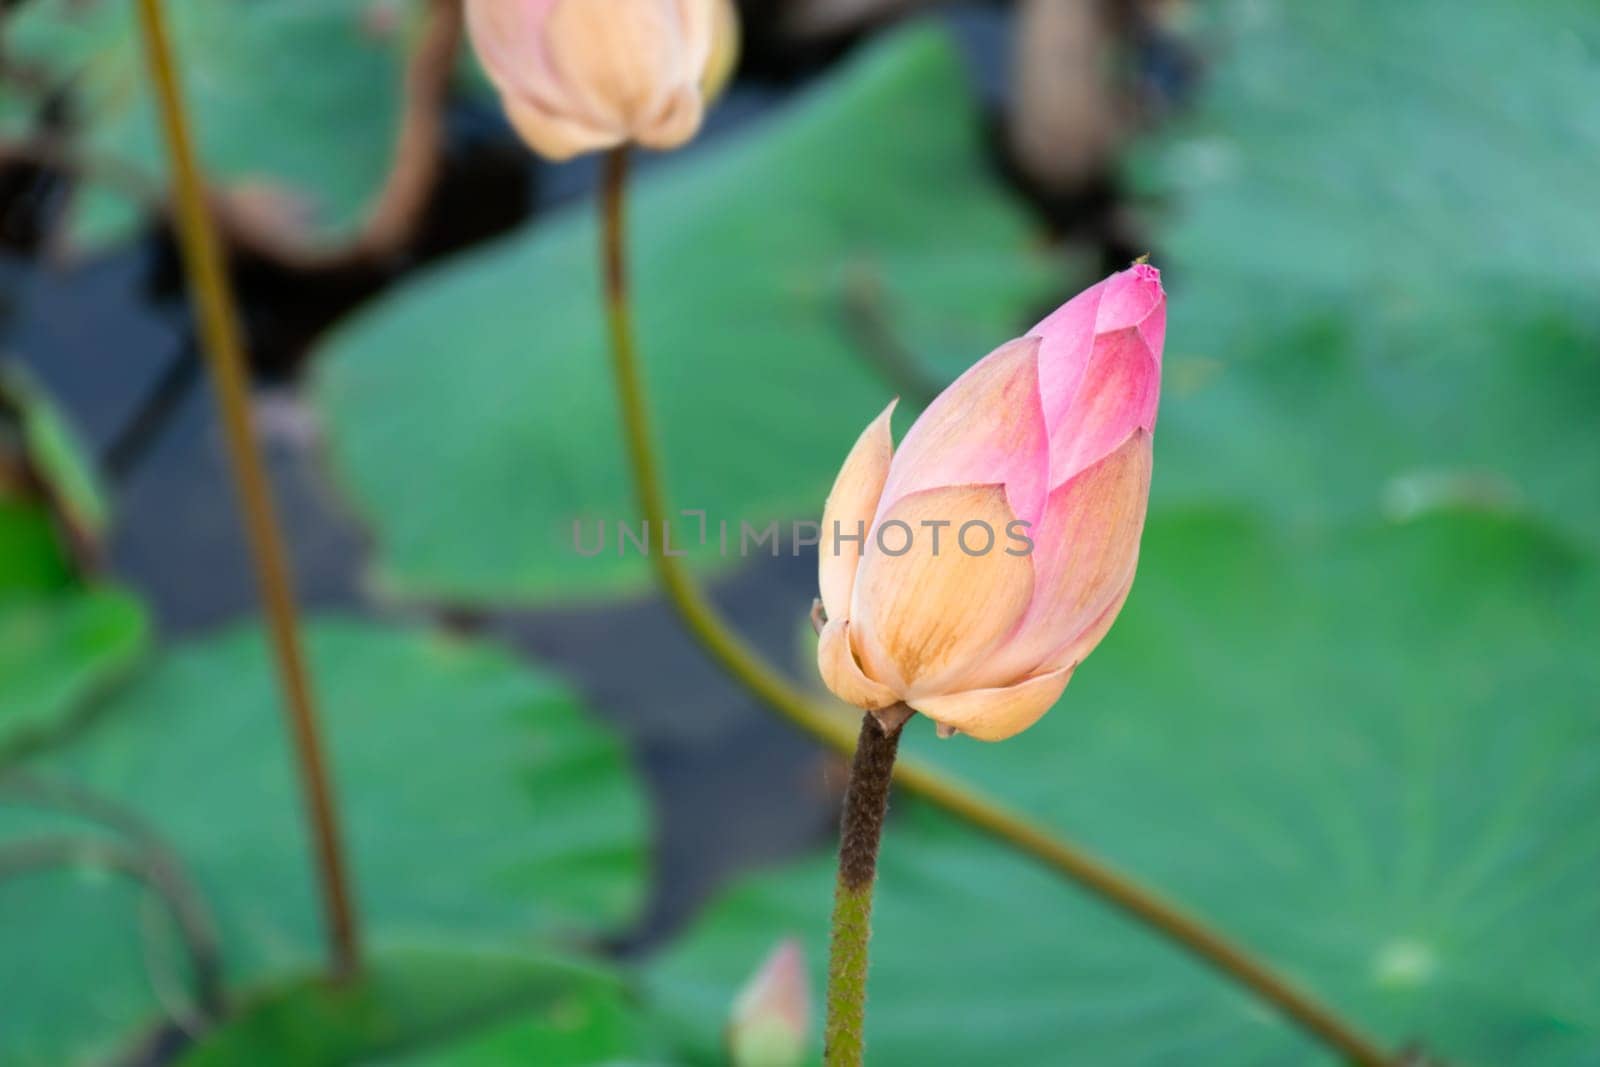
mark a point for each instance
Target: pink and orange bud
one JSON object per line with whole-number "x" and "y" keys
{"x": 581, "y": 75}
{"x": 968, "y": 573}
{"x": 771, "y": 1019}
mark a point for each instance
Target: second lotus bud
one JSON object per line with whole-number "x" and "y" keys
{"x": 582, "y": 75}
{"x": 771, "y": 1019}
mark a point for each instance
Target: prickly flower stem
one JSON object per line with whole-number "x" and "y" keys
{"x": 219, "y": 329}
{"x": 866, "y": 803}
{"x": 749, "y": 668}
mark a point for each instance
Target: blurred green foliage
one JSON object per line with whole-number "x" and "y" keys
{"x": 1383, "y": 258}
{"x": 479, "y": 801}
{"x": 1350, "y": 710}
{"x": 56, "y": 651}
{"x": 49, "y": 446}
{"x": 439, "y": 1008}
{"x": 62, "y": 638}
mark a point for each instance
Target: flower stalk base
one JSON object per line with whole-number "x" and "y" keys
{"x": 866, "y": 805}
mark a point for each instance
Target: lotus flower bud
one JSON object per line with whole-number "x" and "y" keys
{"x": 970, "y": 572}
{"x": 581, "y": 75}
{"x": 772, "y": 1015}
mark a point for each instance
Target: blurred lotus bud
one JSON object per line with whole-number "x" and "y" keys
{"x": 970, "y": 572}
{"x": 771, "y": 1018}
{"x": 582, "y": 75}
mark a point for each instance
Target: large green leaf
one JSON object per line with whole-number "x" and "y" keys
{"x": 1383, "y": 257}
{"x": 433, "y": 1008}
{"x": 299, "y": 96}
{"x": 472, "y": 416}
{"x": 1364, "y": 756}
{"x": 478, "y": 800}
{"x": 1361, "y": 147}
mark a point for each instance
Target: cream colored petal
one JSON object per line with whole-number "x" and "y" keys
{"x": 1084, "y": 551}
{"x": 1077, "y": 650}
{"x": 620, "y": 60}
{"x": 852, "y": 502}
{"x": 925, "y": 617}
{"x": 843, "y": 675}
{"x": 674, "y": 122}
{"x": 555, "y": 137}
{"x": 697, "y": 28}
{"x": 996, "y": 714}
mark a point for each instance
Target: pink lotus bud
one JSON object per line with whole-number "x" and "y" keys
{"x": 771, "y": 1018}
{"x": 970, "y": 572}
{"x": 580, "y": 75}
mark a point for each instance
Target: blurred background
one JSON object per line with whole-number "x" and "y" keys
{"x": 1349, "y": 715}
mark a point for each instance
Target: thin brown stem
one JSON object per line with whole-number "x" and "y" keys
{"x": 746, "y": 665}
{"x": 419, "y": 148}
{"x": 219, "y": 328}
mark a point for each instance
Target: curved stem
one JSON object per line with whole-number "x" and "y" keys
{"x": 747, "y": 666}
{"x": 219, "y": 328}
{"x": 866, "y": 805}
{"x": 157, "y": 863}
{"x": 151, "y": 870}
{"x": 397, "y": 211}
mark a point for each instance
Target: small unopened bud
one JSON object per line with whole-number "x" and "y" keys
{"x": 582, "y": 75}
{"x": 771, "y": 1018}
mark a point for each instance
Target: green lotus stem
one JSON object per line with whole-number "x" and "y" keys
{"x": 866, "y": 806}
{"x": 769, "y": 685}
{"x": 219, "y": 329}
